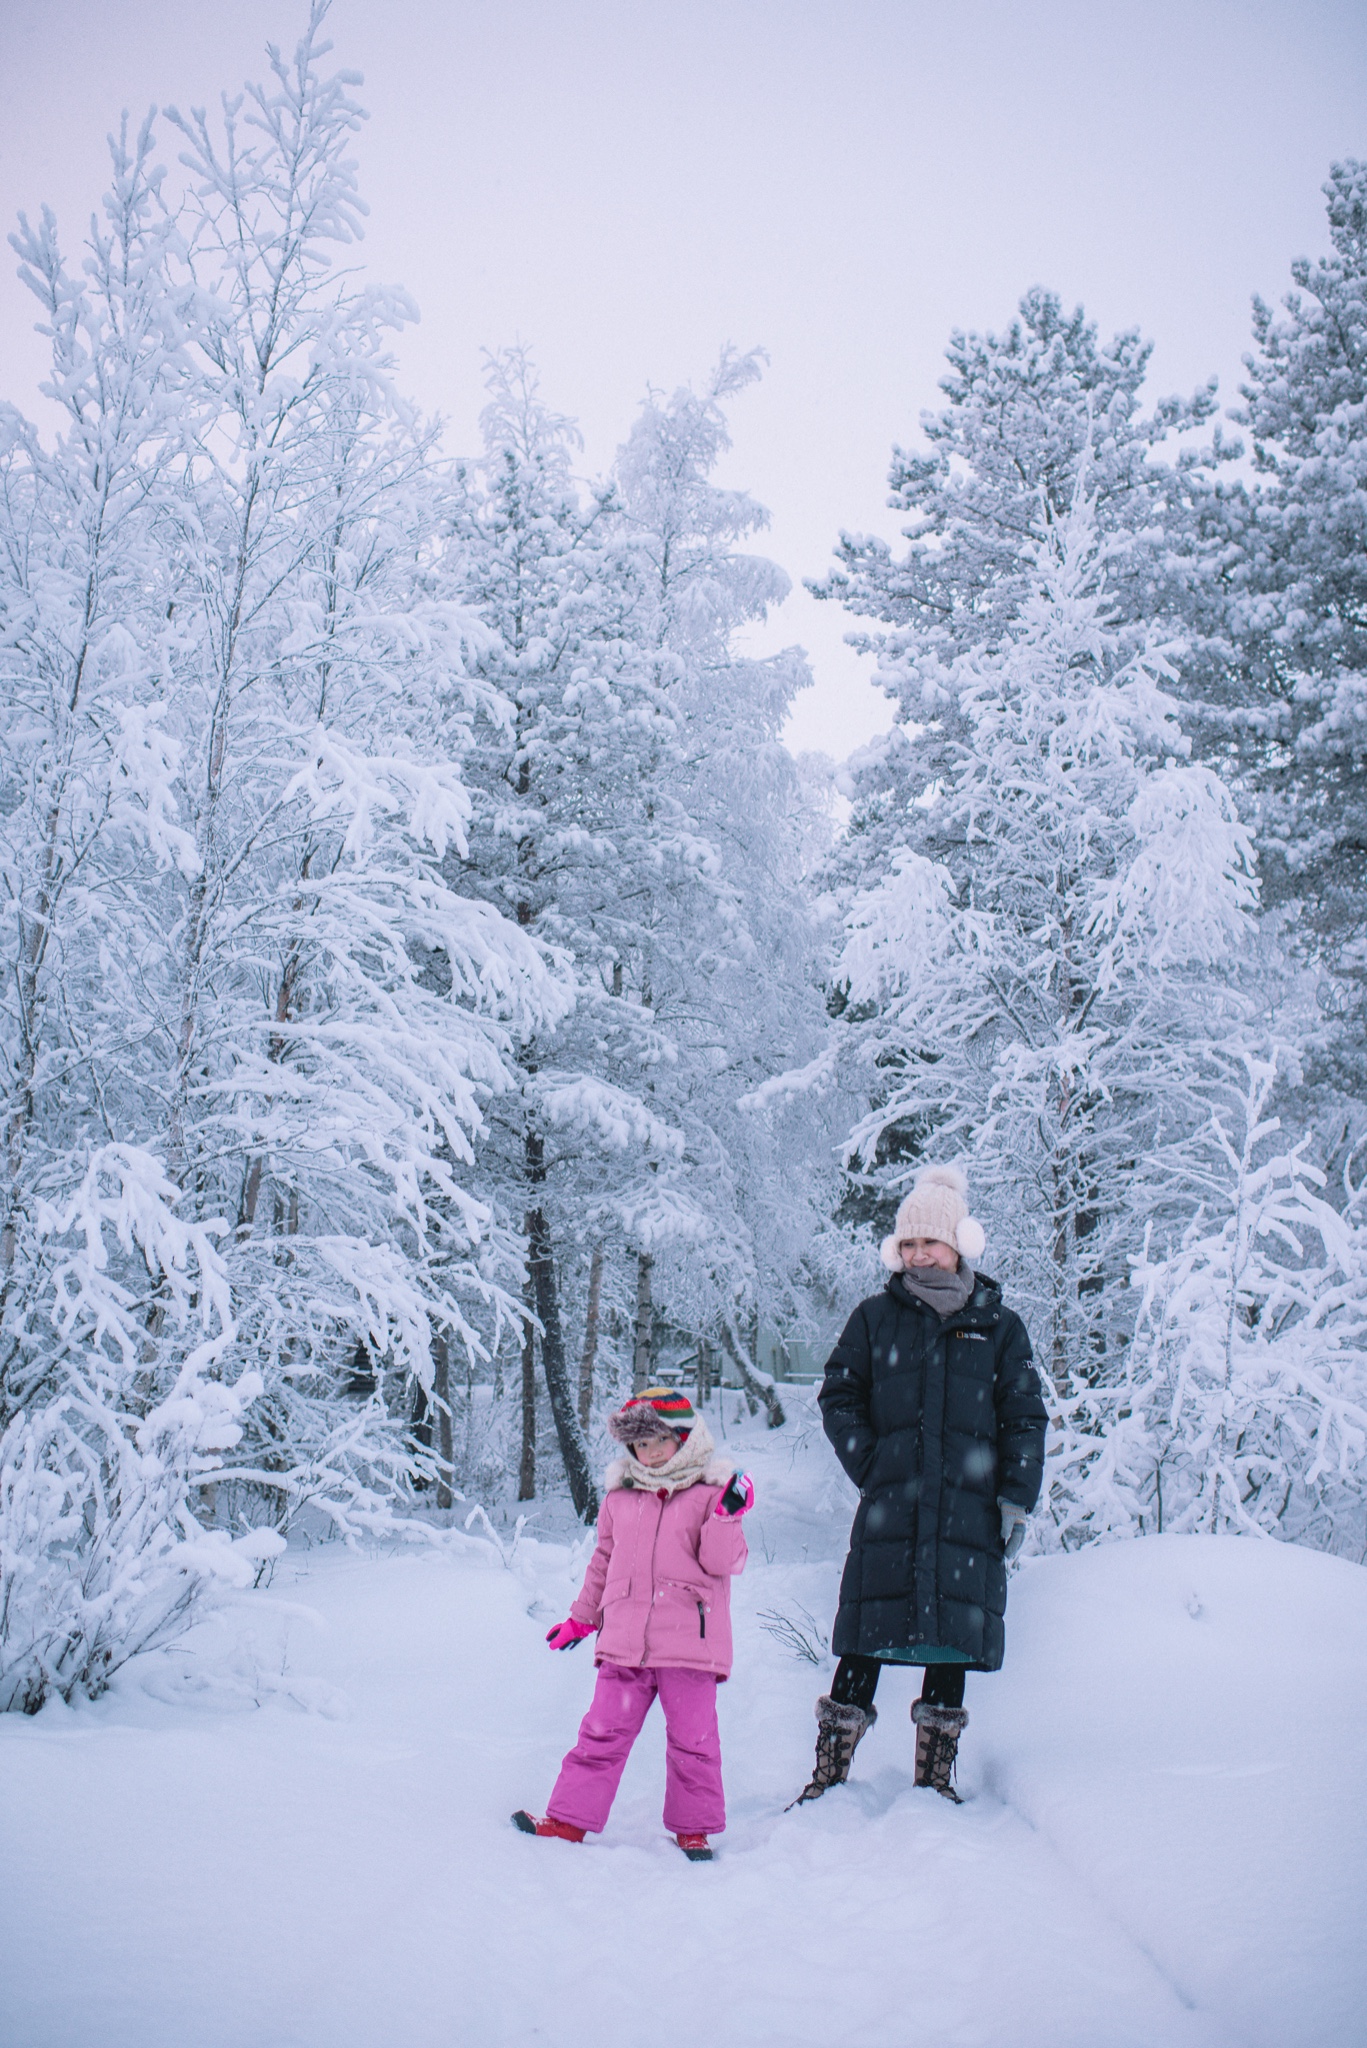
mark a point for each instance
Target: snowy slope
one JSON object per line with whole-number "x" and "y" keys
{"x": 298, "y": 1836}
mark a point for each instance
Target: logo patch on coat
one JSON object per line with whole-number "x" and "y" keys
{"x": 974, "y": 1336}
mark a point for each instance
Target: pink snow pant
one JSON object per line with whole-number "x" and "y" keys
{"x": 592, "y": 1771}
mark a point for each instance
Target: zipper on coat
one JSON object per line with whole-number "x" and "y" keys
{"x": 655, "y": 1594}
{"x": 702, "y": 1619}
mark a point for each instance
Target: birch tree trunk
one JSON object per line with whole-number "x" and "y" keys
{"x": 757, "y": 1386}
{"x": 704, "y": 1372}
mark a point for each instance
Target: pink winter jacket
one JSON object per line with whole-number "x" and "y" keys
{"x": 659, "y": 1581}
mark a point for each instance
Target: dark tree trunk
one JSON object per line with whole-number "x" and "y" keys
{"x": 445, "y": 1432}
{"x": 758, "y": 1387}
{"x": 526, "y": 1470}
{"x": 704, "y": 1373}
{"x": 645, "y": 1309}
{"x": 541, "y": 1273}
{"x": 589, "y": 1356}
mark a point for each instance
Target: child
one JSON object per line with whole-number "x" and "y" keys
{"x": 658, "y": 1588}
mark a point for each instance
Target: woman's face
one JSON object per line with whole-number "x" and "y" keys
{"x": 927, "y": 1251}
{"x": 657, "y": 1450}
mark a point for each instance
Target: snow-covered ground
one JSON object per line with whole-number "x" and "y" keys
{"x": 293, "y": 1833}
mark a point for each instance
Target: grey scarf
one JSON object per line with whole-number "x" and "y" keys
{"x": 945, "y": 1292}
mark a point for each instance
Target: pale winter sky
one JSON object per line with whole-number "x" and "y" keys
{"x": 627, "y": 184}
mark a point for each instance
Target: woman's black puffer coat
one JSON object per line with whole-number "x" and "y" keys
{"x": 934, "y": 1422}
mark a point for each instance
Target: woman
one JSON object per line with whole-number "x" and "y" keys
{"x": 933, "y": 1408}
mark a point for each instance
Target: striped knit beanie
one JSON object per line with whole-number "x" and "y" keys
{"x": 650, "y": 1413}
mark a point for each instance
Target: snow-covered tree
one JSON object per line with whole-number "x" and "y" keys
{"x": 1029, "y": 411}
{"x": 101, "y": 1556}
{"x": 97, "y": 1270}
{"x": 579, "y": 835}
{"x": 744, "y": 1209}
{"x": 1243, "y": 1407}
{"x": 344, "y": 1014}
{"x": 1291, "y": 556}
{"x": 1028, "y": 982}
{"x": 639, "y": 815}
{"x": 239, "y": 988}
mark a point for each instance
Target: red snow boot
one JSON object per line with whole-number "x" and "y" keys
{"x": 558, "y": 1830}
{"x": 696, "y": 1848}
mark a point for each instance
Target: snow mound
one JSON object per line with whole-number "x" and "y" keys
{"x": 1183, "y": 1720}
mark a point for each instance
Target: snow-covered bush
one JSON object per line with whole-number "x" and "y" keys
{"x": 1242, "y": 1407}
{"x": 101, "y": 1553}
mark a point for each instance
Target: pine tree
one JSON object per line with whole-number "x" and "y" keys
{"x": 1292, "y": 556}
{"x": 1029, "y": 412}
{"x": 1027, "y": 983}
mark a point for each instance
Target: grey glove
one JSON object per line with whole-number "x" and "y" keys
{"x": 1014, "y": 1520}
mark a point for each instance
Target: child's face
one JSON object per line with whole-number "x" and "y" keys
{"x": 657, "y": 1450}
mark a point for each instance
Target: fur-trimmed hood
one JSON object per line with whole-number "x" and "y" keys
{"x": 695, "y": 1462}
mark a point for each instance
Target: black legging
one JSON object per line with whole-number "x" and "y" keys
{"x": 856, "y": 1681}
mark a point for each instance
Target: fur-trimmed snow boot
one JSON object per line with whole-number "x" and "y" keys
{"x": 937, "y": 1745}
{"x": 839, "y": 1731}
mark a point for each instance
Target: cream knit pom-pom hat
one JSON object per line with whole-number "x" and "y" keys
{"x": 936, "y": 1207}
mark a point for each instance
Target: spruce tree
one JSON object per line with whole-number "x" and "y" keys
{"x": 1292, "y": 556}
{"x": 1026, "y": 980}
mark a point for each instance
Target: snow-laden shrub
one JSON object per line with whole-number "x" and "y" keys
{"x": 1242, "y": 1404}
{"x": 101, "y": 1554}
{"x": 100, "y": 1557}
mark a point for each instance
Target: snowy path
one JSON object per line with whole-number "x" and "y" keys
{"x": 203, "y": 1872}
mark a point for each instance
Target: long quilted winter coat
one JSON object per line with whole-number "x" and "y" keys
{"x": 659, "y": 1582}
{"x": 934, "y": 1422}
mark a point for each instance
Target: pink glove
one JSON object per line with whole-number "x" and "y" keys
{"x": 737, "y": 1499}
{"x": 566, "y": 1634}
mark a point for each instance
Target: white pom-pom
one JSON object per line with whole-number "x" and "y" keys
{"x": 952, "y": 1177}
{"x": 889, "y": 1254}
{"x": 972, "y": 1239}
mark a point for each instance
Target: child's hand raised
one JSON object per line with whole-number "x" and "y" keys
{"x": 566, "y": 1634}
{"x": 738, "y": 1497}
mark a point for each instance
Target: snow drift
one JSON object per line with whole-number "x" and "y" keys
{"x": 296, "y": 1833}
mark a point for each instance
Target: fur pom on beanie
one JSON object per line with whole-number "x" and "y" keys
{"x": 654, "y": 1412}
{"x": 936, "y": 1207}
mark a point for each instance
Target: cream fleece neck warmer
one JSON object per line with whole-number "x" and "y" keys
{"x": 945, "y": 1292}
{"x": 689, "y": 1464}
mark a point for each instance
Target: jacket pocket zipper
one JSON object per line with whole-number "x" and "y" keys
{"x": 702, "y": 1619}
